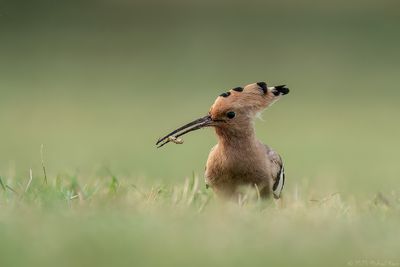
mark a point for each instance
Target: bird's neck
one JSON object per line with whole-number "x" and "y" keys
{"x": 243, "y": 139}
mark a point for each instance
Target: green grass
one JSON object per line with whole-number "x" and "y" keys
{"x": 123, "y": 222}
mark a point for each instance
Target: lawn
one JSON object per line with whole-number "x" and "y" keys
{"x": 122, "y": 222}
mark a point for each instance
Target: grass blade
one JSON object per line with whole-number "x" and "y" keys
{"x": 30, "y": 180}
{"x": 2, "y": 184}
{"x": 43, "y": 166}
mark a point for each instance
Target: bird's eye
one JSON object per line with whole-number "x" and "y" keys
{"x": 231, "y": 114}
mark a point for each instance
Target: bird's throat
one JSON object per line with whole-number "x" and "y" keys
{"x": 242, "y": 139}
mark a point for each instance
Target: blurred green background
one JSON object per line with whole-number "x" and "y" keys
{"x": 97, "y": 82}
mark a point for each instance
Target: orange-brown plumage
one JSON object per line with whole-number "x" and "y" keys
{"x": 239, "y": 158}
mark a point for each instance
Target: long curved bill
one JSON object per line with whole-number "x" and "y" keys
{"x": 191, "y": 126}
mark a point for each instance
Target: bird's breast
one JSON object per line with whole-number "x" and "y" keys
{"x": 231, "y": 169}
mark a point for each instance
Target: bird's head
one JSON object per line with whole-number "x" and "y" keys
{"x": 233, "y": 112}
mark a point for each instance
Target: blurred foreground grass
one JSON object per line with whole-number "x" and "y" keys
{"x": 122, "y": 222}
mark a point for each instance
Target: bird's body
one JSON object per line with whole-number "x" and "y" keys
{"x": 239, "y": 158}
{"x": 251, "y": 163}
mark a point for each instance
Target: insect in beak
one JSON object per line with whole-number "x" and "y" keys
{"x": 192, "y": 126}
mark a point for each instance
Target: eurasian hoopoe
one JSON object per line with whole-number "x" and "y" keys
{"x": 239, "y": 158}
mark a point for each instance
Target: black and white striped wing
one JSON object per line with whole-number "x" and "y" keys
{"x": 279, "y": 183}
{"x": 277, "y": 173}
